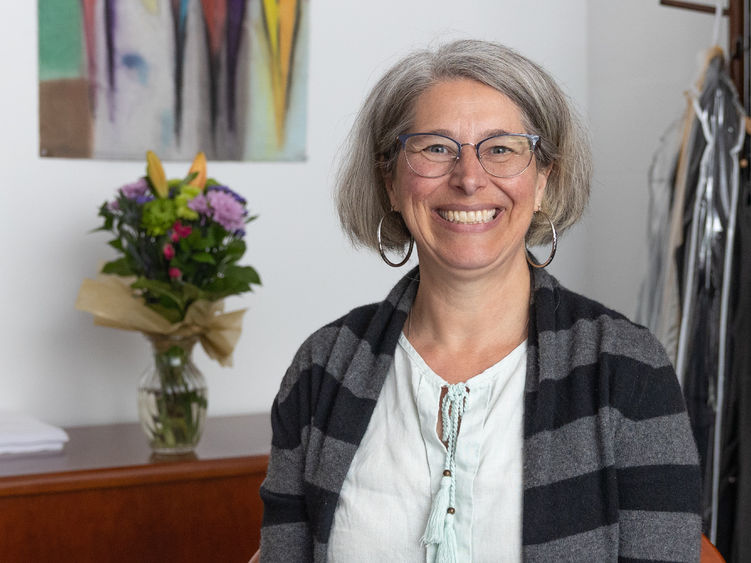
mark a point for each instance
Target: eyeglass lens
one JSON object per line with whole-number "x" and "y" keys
{"x": 502, "y": 156}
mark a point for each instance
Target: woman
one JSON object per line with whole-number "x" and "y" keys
{"x": 481, "y": 412}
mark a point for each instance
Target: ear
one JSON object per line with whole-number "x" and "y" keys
{"x": 388, "y": 182}
{"x": 541, "y": 184}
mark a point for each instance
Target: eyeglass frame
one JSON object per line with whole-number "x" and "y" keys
{"x": 533, "y": 140}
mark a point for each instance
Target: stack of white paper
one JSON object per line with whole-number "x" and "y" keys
{"x": 20, "y": 433}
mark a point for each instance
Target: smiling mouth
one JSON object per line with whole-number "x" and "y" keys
{"x": 468, "y": 217}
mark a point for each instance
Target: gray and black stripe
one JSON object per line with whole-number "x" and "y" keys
{"x": 610, "y": 467}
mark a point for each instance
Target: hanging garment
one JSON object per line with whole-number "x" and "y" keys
{"x": 709, "y": 217}
{"x": 659, "y": 303}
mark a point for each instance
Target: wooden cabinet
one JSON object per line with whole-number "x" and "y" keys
{"x": 105, "y": 498}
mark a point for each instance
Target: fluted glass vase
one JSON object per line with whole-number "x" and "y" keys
{"x": 172, "y": 397}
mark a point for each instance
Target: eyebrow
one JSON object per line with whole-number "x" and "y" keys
{"x": 485, "y": 135}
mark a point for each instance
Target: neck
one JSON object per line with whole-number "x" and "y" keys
{"x": 463, "y": 317}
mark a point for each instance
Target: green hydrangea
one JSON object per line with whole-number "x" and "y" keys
{"x": 158, "y": 216}
{"x": 186, "y": 194}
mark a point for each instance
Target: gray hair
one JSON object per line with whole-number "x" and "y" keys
{"x": 372, "y": 147}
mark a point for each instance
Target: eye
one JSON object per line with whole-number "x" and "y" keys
{"x": 499, "y": 149}
{"x": 438, "y": 148}
{"x": 502, "y": 147}
{"x": 434, "y": 148}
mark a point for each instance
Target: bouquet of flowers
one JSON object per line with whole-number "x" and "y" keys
{"x": 179, "y": 242}
{"x": 180, "y": 238}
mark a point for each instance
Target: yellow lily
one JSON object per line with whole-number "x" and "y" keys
{"x": 199, "y": 166}
{"x": 156, "y": 175}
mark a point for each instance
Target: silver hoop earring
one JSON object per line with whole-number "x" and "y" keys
{"x": 383, "y": 253}
{"x": 530, "y": 261}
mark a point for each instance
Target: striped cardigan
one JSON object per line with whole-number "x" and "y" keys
{"x": 610, "y": 467}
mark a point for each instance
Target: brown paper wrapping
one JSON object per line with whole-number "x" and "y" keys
{"x": 110, "y": 299}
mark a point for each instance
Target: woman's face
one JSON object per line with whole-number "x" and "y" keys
{"x": 469, "y": 112}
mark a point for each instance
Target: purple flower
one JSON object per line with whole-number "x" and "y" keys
{"x": 226, "y": 190}
{"x": 135, "y": 190}
{"x": 200, "y": 204}
{"x": 113, "y": 205}
{"x": 141, "y": 199}
{"x": 226, "y": 210}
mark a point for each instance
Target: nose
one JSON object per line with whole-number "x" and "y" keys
{"x": 468, "y": 174}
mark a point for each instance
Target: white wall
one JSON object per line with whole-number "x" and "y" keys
{"x": 56, "y": 365}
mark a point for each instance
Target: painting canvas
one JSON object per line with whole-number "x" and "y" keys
{"x": 227, "y": 77}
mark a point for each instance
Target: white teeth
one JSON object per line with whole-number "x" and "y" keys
{"x": 468, "y": 217}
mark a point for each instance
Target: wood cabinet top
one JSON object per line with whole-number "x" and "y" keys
{"x": 119, "y": 454}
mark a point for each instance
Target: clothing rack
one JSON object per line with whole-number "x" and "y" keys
{"x": 692, "y": 6}
{"x": 731, "y": 457}
{"x": 738, "y": 39}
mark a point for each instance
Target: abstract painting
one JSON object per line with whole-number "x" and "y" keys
{"x": 119, "y": 77}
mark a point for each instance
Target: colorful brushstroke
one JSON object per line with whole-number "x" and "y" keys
{"x": 151, "y": 5}
{"x": 60, "y": 45}
{"x": 215, "y": 18}
{"x": 179, "y": 24}
{"x": 281, "y": 19}
{"x": 235, "y": 23}
{"x": 65, "y": 124}
{"x": 109, "y": 37}
{"x": 89, "y": 32}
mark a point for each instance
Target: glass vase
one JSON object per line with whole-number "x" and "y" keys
{"x": 172, "y": 397}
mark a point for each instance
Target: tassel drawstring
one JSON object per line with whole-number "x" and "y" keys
{"x": 434, "y": 529}
{"x": 447, "y": 548}
{"x": 440, "y": 527}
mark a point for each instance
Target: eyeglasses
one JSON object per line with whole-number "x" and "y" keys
{"x": 432, "y": 155}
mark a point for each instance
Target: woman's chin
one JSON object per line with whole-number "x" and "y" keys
{"x": 474, "y": 262}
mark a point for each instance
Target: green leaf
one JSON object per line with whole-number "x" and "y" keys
{"x": 203, "y": 257}
{"x": 119, "y": 267}
{"x": 185, "y": 245}
{"x": 235, "y": 250}
{"x": 246, "y": 274}
{"x": 192, "y": 292}
{"x": 236, "y": 279}
{"x": 160, "y": 289}
{"x": 208, "y": 241}
{"x": 172, "y": 314}
{"x": 216, "y": 234}
{"x": 117, "y": 244}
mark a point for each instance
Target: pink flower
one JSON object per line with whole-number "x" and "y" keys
{"x": 174, "y": 273}
{"x": 135, "y": 190}
{"x": 168, "y": 251}
{"x": 180, "y": 231}
{"x": 199, "y": 204}
{"x": 226, "y": 210}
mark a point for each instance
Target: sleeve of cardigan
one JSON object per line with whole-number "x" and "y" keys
{"x": 285, "y": 532}
{"x": 659, "y": 483}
